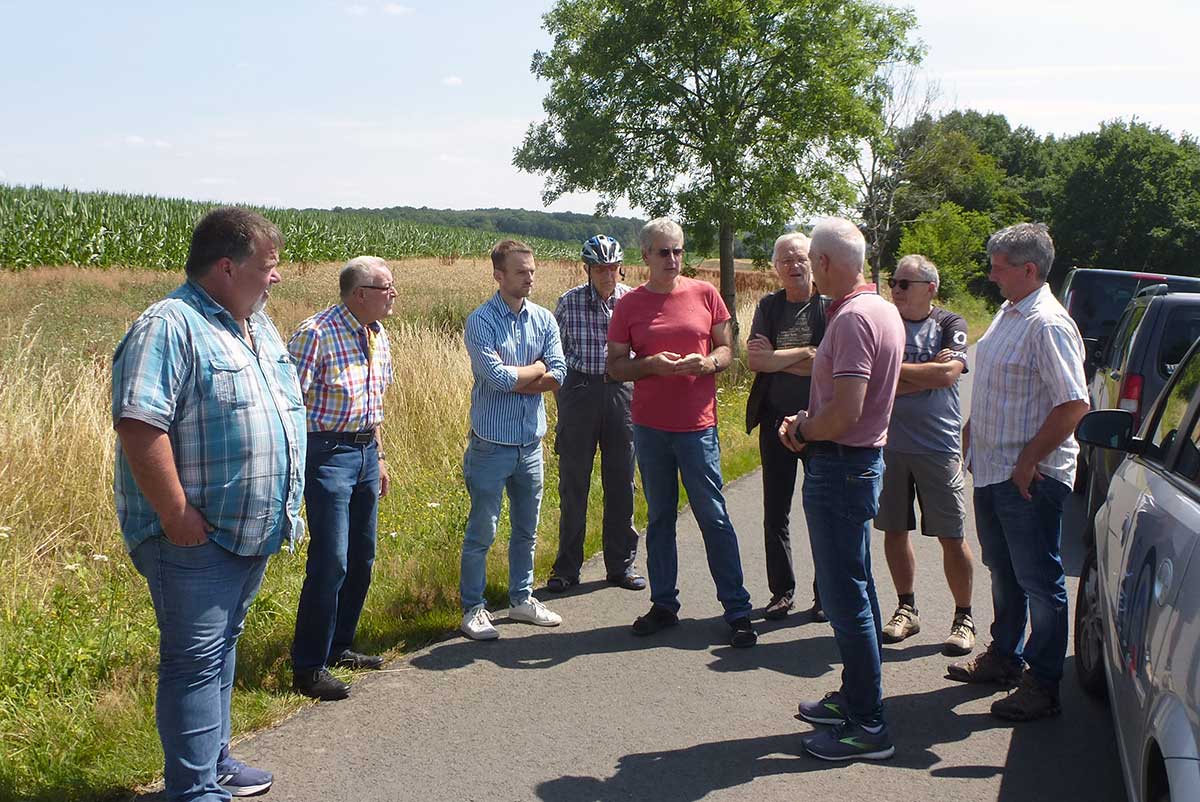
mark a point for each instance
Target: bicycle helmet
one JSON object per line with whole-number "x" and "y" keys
{"x": 602, "y": 250}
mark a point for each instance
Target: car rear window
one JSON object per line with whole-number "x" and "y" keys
{"x": 1097, "y": 302}
{"x": 1182, "y": 329}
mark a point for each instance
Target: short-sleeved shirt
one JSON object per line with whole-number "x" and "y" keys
{"x": 789, "y": 324}
{"x": 583, "y": 317}
{"x": 499, "y": 341}
{"x": 930, "y": 421}
{"x": 344, "y": 369}
{"x": 234, "y": 415}
{"x": 864, "y": 338}
{"x": 680, "y": 321}
{"x": 1029, "y": 361}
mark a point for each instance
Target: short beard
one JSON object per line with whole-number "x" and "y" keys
{"x": 259, "y": 305}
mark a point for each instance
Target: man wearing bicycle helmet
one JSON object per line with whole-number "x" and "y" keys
{"x": 593, "y": 410}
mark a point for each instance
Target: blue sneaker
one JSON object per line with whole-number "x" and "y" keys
{"x": 830, "y": 710}
{"x": 238, "y": 779}
{"x": 849, "y": 741}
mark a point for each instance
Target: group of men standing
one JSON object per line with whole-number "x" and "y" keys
{"x": 222, "y": 428}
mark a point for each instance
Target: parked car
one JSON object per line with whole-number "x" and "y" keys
{"x": 1137, "y": 614}
{"x": 1095, "y": 298}
{"x": 1151, "y": 337}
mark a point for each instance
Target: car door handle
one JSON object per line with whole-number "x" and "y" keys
{"x": 1116, "y": 374}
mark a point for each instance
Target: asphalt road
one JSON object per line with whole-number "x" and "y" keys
{"x": 587, "y": 711}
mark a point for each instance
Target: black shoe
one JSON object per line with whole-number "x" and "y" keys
{"x": 818, "y": 613}
{"x": 628, "y": 581}
{"x": 349, "y": 659}
{"x": 559, "y": 584}
{"x": 318, "y": 683}
{"x": 658, "y": 618}
{"x": 779, "y": 607}
{"x": 743, "y": 635}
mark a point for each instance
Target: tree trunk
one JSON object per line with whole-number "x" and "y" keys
{"x": 728, "y": 282}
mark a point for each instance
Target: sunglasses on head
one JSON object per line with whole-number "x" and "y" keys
{"x": 903, "y": 283}
{"x": 665, "y": 252}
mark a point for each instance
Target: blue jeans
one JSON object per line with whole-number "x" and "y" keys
{"x": 341, "y": 498}
{"x": 841, "y": 497}
{"x": 200, "y": 595}
{"x": 695, "y": 457}
{"x": 1021, "y": 543}
{"x": 489, "y": 469}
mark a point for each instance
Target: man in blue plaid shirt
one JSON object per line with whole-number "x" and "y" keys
{"x": 209, "y": 478}
{"x": 594, "y": 410}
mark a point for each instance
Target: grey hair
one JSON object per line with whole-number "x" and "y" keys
{"x": 841, "y": 242}
{"x": 925, "y": 269}
{"x": 785, "y": 239}
{"x": 357, "y": 272}
{"x": 1024, "y": 242}
{"x": 659, "y": 225}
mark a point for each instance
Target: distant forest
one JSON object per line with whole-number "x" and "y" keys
{"x": 565, "y": 226}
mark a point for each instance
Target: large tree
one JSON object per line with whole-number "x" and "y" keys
{"x": 737, "y": 115}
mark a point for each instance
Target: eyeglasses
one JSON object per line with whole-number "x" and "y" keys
{"x": 793, "y": 262}
{"x": 903, "y": 283}
{"x": 665, "y": 252}
{"x": 384, "y": 287}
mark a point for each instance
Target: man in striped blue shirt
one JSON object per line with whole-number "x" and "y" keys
{"x": 516, "y": 355}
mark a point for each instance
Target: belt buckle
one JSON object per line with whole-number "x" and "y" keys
{"x": 363, "y": 437}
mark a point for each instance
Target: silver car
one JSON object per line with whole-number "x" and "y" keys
{"x": 1137, "y": 617}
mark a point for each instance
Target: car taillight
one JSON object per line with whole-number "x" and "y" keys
{"x": 1131, "y": 396}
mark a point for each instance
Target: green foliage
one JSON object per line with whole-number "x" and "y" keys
{"x": 955, "y": 240}
{"x": 738, "y": 116}
{"x": 60, "y": 227}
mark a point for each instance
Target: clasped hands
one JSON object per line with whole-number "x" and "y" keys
{"x": 669, "y": 363}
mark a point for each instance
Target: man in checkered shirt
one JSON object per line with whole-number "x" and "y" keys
{"x": 345, "y": 365}
{"x": 594, "y": 410}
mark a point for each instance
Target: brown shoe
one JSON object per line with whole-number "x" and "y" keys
{"x": 962, "y": 637}
{"x": 987, "y": 667}
{"x": 903, "y": 624}
{"x": 1032, "y": 700}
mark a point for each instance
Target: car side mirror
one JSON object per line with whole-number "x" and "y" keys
{"x": 1109, "y": 428}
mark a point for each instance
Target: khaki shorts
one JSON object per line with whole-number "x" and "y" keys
{"x": 934, "y": 481}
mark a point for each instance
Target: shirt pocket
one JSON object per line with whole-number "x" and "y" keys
{"x": 289, "y": 382}
{"x": 232, "y": 385}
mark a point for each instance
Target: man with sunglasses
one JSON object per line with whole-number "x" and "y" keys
{"x": 922, "y": 458}
{"x": 670, "y": 337}
{"x": 345, "y": 365}
{"x": 593, "y": 410}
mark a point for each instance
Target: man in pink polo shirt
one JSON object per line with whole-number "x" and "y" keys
{"x": 841, "y": 438}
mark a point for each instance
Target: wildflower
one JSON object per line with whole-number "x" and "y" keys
{"x": 392, "y": 534}
{"x": 100, "y": 558}
{"x": 433, "y": 505}
{"x": 71, "y": 567}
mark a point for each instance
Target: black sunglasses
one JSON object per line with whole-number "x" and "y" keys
{"x": 665, "y": 252}
{"x": 903, "y": 283}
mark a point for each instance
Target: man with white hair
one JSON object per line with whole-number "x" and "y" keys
{"x": 923, "y": 461}
{"x": 841, "y": 435}
{"x": 787, "y": 328}
{"x": 1029, "y": 394}
{"x": 345, "y": 365}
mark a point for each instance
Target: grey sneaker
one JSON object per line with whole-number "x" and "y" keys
{"x": 962, "y": 637}
{"x": 904, "y": 624}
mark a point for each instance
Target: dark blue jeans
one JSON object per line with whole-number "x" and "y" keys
{"x": 1021, "y": 543}
{"x": 201, "y": 595}
{"x": 663, "y": 459}
{"x": 841, "y": 497}
{"x": 341, "y": 496}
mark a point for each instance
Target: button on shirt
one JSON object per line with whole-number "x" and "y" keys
{"x": 344, "y": 369}
{"x": 1028, "y": 362}
{"x": 499, "y": 342}
{"x": 583, "y": 318}
{"x": 234, "y": 415}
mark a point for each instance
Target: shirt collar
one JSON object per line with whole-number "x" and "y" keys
{"x": 502, "y": 308}
{"x": 191, "y": 291}
{"x": 1026, "y": 305}
{"x": 854, "y": 293}
{"x": 348, "y": 319}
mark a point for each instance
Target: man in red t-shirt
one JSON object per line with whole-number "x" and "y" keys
{"x": 840, "y": 437}
{"x": 681, "y": 333}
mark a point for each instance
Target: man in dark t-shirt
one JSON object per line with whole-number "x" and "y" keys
{"x": 788, "y": 326}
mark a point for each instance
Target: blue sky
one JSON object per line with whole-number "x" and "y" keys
{"x": 366, "y": 103}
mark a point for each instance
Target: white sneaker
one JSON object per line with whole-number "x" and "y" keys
{"x": 477, "y": 624}
{"x": 534, "y": 612}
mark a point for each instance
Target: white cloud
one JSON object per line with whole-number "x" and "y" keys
{"x": 212, "y": 181}
{"x": 397, "y": 10}
{"x": 135, "y": 141}
{"x": 357, "y": 10}
{"x": 452, "y": 80}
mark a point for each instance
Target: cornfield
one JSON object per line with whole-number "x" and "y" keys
{"x": 41, "y": 226}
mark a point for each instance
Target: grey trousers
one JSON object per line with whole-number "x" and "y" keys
{"x": 593, "y": 412}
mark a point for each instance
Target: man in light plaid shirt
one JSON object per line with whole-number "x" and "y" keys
{"x": 345, "y": 365}
{"x": 594, "y": 410}
{"x": 209, "y": 477}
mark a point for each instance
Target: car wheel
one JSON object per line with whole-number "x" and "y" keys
{"x": 1089, "y": 629}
